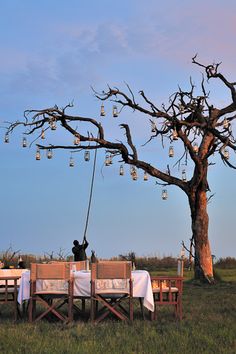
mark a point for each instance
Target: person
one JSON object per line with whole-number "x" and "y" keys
{"x": 79, "y": 250}
{"x": 93, "y": 257}
{"x": 21, "y": 263}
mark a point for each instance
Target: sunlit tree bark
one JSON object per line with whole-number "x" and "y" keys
{"x": 203, "y": 129}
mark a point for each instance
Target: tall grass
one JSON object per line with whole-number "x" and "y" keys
{"x": 208, "y": 326}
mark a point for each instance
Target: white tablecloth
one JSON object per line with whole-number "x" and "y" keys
{"x": 141, "y": 286}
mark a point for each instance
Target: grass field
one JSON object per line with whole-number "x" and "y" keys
{"x": 208, "y": 326}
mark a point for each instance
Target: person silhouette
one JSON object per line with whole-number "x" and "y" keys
{"x": 79, "y": 250}
{"x": 93, "y": 257}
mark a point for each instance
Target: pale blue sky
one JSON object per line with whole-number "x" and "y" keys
{"x": 52, "y": 51}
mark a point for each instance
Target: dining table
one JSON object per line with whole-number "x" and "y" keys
{"x": 142, "y": 287}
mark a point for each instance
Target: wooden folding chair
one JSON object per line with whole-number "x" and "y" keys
{"x": 77, "y": 266}
{"x": 167, "y": 290}
{"x": 111, "y": 284}
{"x": 8, "y": 292}
{"x": 51, "y": 285}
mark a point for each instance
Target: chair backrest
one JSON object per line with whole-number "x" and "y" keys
{"x": 56, "y": 271}
{"x": 111, "y": 270}
{"x": 80, "y": 265}
{"x": 165, "y": 284}
{"x": 111, "y": 277}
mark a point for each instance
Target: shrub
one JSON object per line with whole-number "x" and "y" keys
{"x": 228, "y": 262}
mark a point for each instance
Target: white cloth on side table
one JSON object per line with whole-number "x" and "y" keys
{"x": 11, "y": 272}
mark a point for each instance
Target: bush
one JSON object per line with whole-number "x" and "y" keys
{"x": 228, "y": 262}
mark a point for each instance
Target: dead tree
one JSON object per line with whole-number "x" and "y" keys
{"x": 201, "y": 128}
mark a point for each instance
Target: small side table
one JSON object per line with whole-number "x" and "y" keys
{"x": 8, "y": 293}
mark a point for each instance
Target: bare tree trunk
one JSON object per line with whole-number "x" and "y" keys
{"x": 203, "y": 268}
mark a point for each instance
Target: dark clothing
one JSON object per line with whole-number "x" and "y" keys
{"x": 93, "y": 257}
{"x": 21, "y": 265}
{"x": 79, "y": 251}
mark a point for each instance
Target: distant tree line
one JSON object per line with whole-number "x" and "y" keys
{"x": 10, "y": 258}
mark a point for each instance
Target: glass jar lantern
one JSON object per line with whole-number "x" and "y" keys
{"x": 181, "y": 108}
{"x": 122, "y": 172}
{"x": 134, "y": 174}
{"x": 153, "y": 127}
{"x": 184, "y": 177}
{"x": 86, "y": 155}
{"x": 145, "y": 176}
{"x": 110, "y": 160}
{"x": 195, "y": 148}
{"x": 76, "y": 140}
{"x": 49, "y": 154}
{"x": 53, "y": 124}
{"x": 174, "y": 135}
{"x": 115, "y": 112}
{"x": 42, "y": 134}
{"x": 171, "y": 151}
{"x": 6, "y": 138}
{"x": 102, "y": 111}
{"x": 38, "y": 155}
{"x": 107, "y": 160}
{"x": 225, "y": 123}
{"x": 24, "y": 142}
{"x": 164, "y": 194}
{"x": 71, "y": 162}
{"x": 226, "y": 154}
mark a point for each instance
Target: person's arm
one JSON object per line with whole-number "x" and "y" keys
{"x": 85, "y": 243}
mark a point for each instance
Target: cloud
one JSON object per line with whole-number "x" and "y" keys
{"x": 75, "y": 55}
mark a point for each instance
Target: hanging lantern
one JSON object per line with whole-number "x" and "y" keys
{"x": 153, "y": 127}
{"x": 49, "y": 154}
{"x": 86, "y": 155}
{"x": 134, "y": 174}
{"x": 184, "y": 178}
{"x": 171, "y": 151}
{"x": 225, "y": 123}
{"x": 226, "y": 154}
{"x": 115, "y": 112}
{"x": 174, "y": 135}
{"x": 102, "y": 112}
{"x": 122, "y": 172}
{"x": 107, "y": 160}
{"x": 145, "y": 176}
{"x": 110, "y": 160}
{"x": 76, "y": 140}
{"x": 53, "y": 124}
{"x": 24, "y": 142}
{"x": 38, "y": 155}
{"x": 42, "y": 134}
{"x": 6, "y": 138}
{"x": 164, "y": 194}
{"x": 195, "y": 148}
{"x": 181, "y": 108}
{"x": 71, "y": 163}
